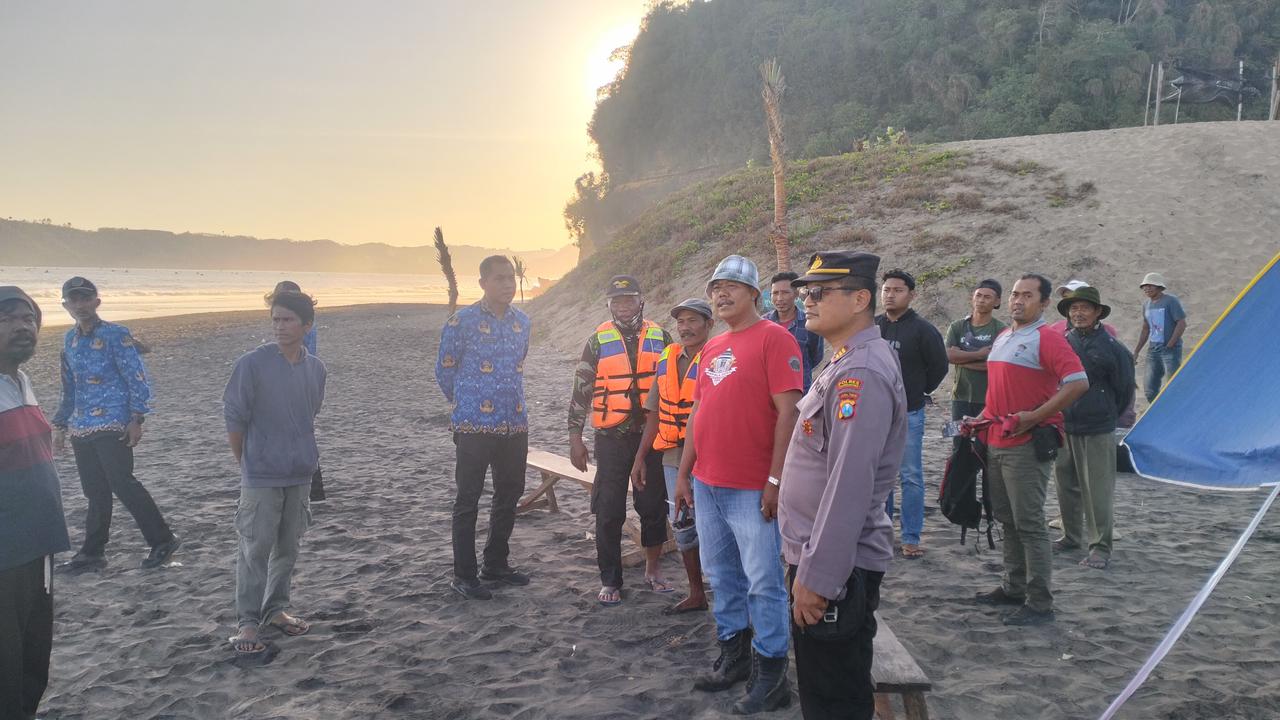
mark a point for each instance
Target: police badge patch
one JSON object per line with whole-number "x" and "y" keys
{"x": 847, "y": 405}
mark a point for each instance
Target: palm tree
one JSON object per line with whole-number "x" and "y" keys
{"x": 519, "y": 275}
{"x": 774, "y": 85}
{"x": 446, "y": 266}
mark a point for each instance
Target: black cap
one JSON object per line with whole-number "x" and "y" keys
{"x": 839, "y": 264}
{"x": 622, "y": 285}
{"x": 78, "y": 284}
{"x": 13, "y": 292}
{"x": 993, "y": 286}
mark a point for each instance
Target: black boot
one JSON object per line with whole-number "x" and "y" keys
{"x": 732, "y": 667}
{"x": 767, "y": 689}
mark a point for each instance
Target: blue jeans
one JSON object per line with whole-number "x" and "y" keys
{"x": 912, "y": 473}
{"x": 741, "y": 556}
{"x": 1162, "y": 362}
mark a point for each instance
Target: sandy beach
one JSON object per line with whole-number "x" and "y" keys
{"x": 391, "y": 640}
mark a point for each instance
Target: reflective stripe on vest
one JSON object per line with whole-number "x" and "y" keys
{"x": 675, "y": 397}
{"x": 616, "y": 380}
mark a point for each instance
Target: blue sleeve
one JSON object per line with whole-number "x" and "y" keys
{"x": 449, "y": 356}
{"x": 310, "y": 340}
{"x": 68, "y": 403}
{"x": 237, "y": 399}
{"x": 1176, "y": 312}
{"x": 129, "y": 364}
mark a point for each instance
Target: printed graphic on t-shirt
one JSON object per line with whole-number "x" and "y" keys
{"x": 722, "y": 366}
{"x": 1155, "y": 319}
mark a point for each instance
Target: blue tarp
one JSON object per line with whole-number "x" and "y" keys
{"x": 1217, "y": 423}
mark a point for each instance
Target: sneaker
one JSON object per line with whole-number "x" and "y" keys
{"x": 504, "y": 575}
{"x": 84, "y": 561}
{"x": 1025, "y": 615}
{"x": 161, "y": 553}
{"x": 999, "y": 597}
{"x": 471, "y": 589}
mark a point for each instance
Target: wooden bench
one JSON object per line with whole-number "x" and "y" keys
{"x": 554, "y": 468}
{"x": 895, "y": 672}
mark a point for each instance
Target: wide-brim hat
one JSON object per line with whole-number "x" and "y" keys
{"x": 1071, "y": 286}
{"x": 1088, "y": 294}
{"x": 1154, "y": 278}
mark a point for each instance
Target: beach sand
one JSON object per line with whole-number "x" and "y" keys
{"x": 391, "y": 640}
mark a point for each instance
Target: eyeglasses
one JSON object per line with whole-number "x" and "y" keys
{"x": 817, "y": 291}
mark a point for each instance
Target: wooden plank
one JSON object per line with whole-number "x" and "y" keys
{"x": 914, "y": 706}
{"x": 560, "y": 466}
{"x": 544, "y": 495}
{"x": 893, "y": 669}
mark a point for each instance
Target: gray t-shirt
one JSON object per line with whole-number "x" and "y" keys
{"x": 1162, "y": 314}
{"x": 273, "y": 403}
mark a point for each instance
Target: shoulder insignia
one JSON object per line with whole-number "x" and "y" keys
{"x": 847, "y": 405}
{"x": 854, "y": 383}
{"x": 808, "y": 427}
{"x": 839, "y": 353}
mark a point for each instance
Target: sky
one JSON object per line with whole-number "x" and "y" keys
{"x": 305, "y": 119}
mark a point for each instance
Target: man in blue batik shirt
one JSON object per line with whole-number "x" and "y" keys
{"x": 788, "y": 315}
{"x": 105, "y": 398}
{"x": 480, "y": 369}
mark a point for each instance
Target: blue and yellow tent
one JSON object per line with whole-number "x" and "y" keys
{"x": 1217, "y": 423}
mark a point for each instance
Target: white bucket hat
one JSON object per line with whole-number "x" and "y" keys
{"x": 1154, "y": 278}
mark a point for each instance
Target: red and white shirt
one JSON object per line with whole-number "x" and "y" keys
{"x": 1025, "y": 368}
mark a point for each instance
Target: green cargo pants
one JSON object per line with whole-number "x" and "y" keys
{"x": 1018, "y": 485}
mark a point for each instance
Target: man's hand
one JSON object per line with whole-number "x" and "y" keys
{"x": 684, "y": 492}
{"x": 1026, "y": 421}
{"x": 769, "y": 502}
{"x": 132, "y": 434}
{"x": 807, "y": 606}
{"x": 637, "y": 473}
{"x": 59, "y": 439}
{"x": 1171, "y": 345}
{"x": 578, "y": 454}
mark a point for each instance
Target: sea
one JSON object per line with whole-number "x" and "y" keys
{"x": 146, "y": 293}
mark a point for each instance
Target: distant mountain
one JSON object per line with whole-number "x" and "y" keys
{"x": 40, "y": 244}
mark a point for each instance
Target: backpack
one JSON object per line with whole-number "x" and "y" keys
{"x": 958, "y": 496}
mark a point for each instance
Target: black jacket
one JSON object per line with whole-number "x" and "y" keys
{"x": 1110, "y": 369}
{"x": 921, "y": 353}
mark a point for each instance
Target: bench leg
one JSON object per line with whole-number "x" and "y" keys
{"x": 913, "y": 703}
{"x": 884, "y": 707}
{"x": 545, "y": 494}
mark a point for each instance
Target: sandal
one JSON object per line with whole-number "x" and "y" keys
{"x": 658, "y": 585}
{"x": 1096, "y": 561}
{"x": 245, "y": 646}
{"x": 1062, "y": 544}
{"x": 912, "y": 552}
{"x": 609, "y": 596}
{"x": 289, "y": 625}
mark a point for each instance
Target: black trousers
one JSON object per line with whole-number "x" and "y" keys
{"x": 615, "y": 454}
{"x": 106, "y": 467}
{"x": 834, "y": 676}
{"x": 26, "y": 639}
{"x": 476, "y": 453}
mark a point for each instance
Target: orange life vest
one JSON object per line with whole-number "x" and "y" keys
{"x": 675, "y": 397}
{"x": 611, "y": 401}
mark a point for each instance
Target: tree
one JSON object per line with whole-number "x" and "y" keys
{"x": 446, "y": 266}
{"x": 519, "y": 265}
{"x": 771, "y": 90}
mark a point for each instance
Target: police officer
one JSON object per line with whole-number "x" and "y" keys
{"x": 842, "y": 464}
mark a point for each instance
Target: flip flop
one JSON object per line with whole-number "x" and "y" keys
{"x": 912, "y": 552}
{"x": 255, "y": 646}
{"x": 677, "y": 610}
{"x": 609, "y": 596}
{"x": 658, "y": 585}
{"x": 291, "y": 626}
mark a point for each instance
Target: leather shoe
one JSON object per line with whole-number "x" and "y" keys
{"x": 161, "y": 553}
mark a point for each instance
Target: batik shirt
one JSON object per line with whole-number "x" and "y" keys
{"x": 480, "y": 369}
{"x": 104, "y": 383}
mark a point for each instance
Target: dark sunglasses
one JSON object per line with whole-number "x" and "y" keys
{"x": 817, "y": 291}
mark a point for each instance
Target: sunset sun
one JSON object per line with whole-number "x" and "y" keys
{"x": 602, "y": 65}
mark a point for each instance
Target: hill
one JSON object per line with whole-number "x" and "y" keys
{"x": 688, "y": 97}
{"x": 41, "y": 244}
{"x": 1195, "y": 202}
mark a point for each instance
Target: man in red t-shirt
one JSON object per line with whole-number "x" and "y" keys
{"x": 1032, "y": 376}
{"x": 744, "y": 409}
